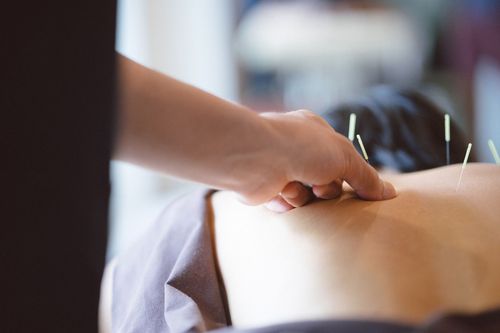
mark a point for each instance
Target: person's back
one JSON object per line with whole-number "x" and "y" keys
{"x": 432, "y": 249}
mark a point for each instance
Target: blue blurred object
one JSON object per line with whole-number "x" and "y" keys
{"x": 481, "y": 7}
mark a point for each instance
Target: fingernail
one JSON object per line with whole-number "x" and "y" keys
{"x": 277, "y": 206}
{"x": 389, "y": 191}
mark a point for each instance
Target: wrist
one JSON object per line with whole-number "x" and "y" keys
{"x": 261, "y": 172}
{"x": 279, "y": 136}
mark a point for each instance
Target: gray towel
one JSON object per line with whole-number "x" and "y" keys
{"x": 168, "y": 281}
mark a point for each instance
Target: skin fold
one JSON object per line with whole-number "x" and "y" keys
{"x": 431, "y": 249}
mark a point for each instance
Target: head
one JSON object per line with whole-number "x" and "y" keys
{"x": 401, "y": 129}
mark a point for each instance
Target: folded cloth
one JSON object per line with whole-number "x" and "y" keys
{"x": 169, "y": 282}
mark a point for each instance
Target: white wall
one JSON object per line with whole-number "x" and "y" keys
{"x": 187, "y": 39}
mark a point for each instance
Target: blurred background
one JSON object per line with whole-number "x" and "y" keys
{"x": 285, "y": 55}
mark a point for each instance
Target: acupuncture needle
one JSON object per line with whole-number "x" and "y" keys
{"x": 494, "y": 151}
{"x": 365, "y": 155}
{"x": 447, "y": 137}
{"x": 352, "y": 126}
{"x": 463, "y": 165}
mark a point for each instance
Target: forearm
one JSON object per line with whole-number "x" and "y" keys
{"x": 175, "y": 128}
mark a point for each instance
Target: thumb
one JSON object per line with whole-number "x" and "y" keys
{"x": 364, "y": 179}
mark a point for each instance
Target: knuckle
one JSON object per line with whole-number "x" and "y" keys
{"x": 303, "y": 113}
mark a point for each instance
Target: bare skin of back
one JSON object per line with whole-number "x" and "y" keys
{"x": 432, "y": 249}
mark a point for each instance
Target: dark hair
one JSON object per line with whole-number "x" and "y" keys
{"x": 401, "y": 129}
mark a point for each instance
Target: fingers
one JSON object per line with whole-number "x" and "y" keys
{"x": 329, "y": 191}
{"x": 364, "y": 179}
{"x": 278, "y": 205}
{"x": 296, "y": 194}
{"x": 293, "y": 195}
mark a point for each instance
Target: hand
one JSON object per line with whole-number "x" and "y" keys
{"x": 175, "y": 128}
{"x": 311, "y": 152}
